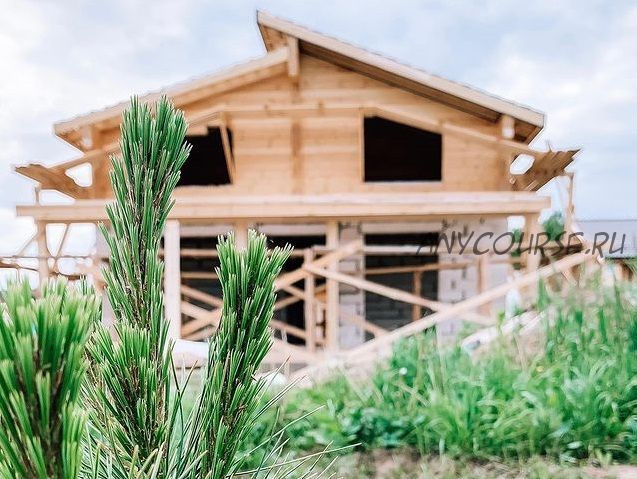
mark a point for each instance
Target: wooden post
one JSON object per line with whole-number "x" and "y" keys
{"x": 532, "y": 228}
{"x": 241, "y": 234}
{"x": 507, "y": 132}
{"x": 332, "y": 289}
{"x": 416, "y": 309}
{"x": 308, "y": 304}
{"x": 172, "y": 278}
{"x": 43, "y": 254}
{"x": 482, "y": 279}
{"x": 570, "y": 208}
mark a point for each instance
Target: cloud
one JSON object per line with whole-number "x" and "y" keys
{"x": 63, "y": 58}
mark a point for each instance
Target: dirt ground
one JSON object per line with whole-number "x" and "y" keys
{"x": 405, "y": 465}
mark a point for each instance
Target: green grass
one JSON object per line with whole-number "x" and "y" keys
{"x": 570, "y": 396}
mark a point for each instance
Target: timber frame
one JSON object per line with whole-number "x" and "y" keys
{"x": 292, "y": 130}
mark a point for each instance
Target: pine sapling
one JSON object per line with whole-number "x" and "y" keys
{"x": 42, "y": 368}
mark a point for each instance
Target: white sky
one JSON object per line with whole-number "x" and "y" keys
{"x": 574, "y": 60}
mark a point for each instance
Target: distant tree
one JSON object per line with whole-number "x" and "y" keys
{"x": 553, "y": 226}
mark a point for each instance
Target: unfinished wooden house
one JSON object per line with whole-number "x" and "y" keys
{"x": 358, "y": 161}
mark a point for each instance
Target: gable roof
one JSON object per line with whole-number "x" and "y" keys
{"x": 275, "y": 31}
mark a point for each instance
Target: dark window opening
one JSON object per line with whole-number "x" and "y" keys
{"x": 206, "y": 164}
{"x": 397, "y": 152}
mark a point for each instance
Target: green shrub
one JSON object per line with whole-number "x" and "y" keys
{"x": 132, "y": 405}
{"x": 575, "y": 399}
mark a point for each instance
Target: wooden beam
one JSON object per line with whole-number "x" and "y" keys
{"x": 53, "y": 179}
{"x": 332, "y": 313}
{"x": 507, "y": 127}
{"x": 350, "y": 206}
{"x": 482, "y": 279}
{"x": 365, "y": 325}
{"x": 294, "y": 63}
{"x": 201, "y": 318}
{"x": 309, "y": 308}
{"x": 532, "y": 228}
{"x": 431, "y": 124}
{"x": 416, "y": 309}
{"x": 227, "y": 148}
{"x": 43, "y": 253}
{"x": 337, "y": 254}
{"x": 241, "y": 234}
{"x": 201, "y": 296}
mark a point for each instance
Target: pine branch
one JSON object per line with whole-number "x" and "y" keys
{"x": 131, "y": 381}
{"x": 42, "y": 367}
{"x": 229, "y": 402}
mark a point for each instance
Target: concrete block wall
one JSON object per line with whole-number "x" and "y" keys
{"x": 460, "y": 284}
{"x": 352, "y": 300}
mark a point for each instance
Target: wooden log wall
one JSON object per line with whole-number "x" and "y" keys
{"x": 285, "y": 143}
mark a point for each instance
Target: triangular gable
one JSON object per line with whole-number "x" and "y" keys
{"x": 275, "y": 32}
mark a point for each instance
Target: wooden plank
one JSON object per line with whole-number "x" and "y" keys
{"x": 288, "y": 329}
{"x": 198, "y": 275}
{"x": 201, "y": 296}
{"x": 364, "y": 324}
{"x": 392, "y": 293}
{"x": 201, "y": 318}
{"x": 308, "y": 304}
{"x": 339, "y": 253}
{"x": 204, "y": 318}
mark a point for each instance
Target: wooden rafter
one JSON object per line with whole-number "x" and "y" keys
{"x": 54, "y": 179}
{"x": 545, "y": 167}
{"x": 227, "y": 147}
